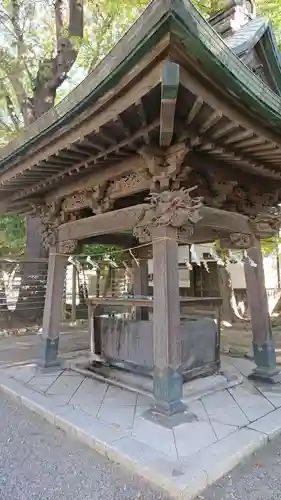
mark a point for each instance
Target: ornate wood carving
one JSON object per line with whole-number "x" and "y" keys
{"x": 250, "y": 202}
{"x": 185, "y": 233}
{"x": 169, "y": 208}
{"x": 50, "y": 216}
{"x": 129, "y": 184}
{"x": 67, "y": 247}
{"x": 76, "y": 202}
{"x": 237, "y": 241}
{"x": 95, "y": 198}
{"x": 220, "y": 189}
{"x": 259, "y": 203}
{"x": 164, "y": 167}
{"x": 267, "y": 224}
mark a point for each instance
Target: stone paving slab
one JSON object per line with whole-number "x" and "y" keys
{"x": 229, "y": 425}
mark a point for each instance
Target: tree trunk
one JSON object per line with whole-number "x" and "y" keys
{"x": 51, "y": 73}
{"x": 226, "y": 293}
{"x": 230, "y": 310}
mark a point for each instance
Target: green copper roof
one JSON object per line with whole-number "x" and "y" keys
{"x": 258, "y": 31}
{"x": 180, "y": 18}
{"x": 247, "y": 37}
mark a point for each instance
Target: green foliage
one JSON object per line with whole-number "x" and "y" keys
{"x": 271, "y": 9}
{"x": 27, "y": 37}
{"x": 12, "y": 235}
{"x": 101, "y": 253}
{"x": 208, "y": 7}
{"x": 28, "y": 43}
{"x": 106, "y": 21}
{"x": 271, "y": 246}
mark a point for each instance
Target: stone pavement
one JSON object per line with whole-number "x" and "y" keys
{"x": 237, "y": 340}
{"x": 230, "y": 424}
{"x": 40, "y": 462}
{"x": 23, "y": 348}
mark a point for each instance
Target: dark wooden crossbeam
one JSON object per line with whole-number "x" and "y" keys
{"x": 169, "y": 94}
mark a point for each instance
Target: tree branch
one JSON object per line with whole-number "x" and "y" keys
{"x": 10, "y": 108}
{"x": 67, "y": 42}
{"x": 53, "y": 71}
{"x": 15, "y": 20}
{"x": 22, "y": 97}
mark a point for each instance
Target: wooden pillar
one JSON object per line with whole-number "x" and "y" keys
{"x": 140, "y": 271}
{"x": 263, "y": 343}
{"x": 167, "y": 380}
{"x": 52, "y": 310}
{"x": 73, "y": 293}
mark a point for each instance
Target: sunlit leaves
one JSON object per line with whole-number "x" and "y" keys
{"x": 105, "y": 23}
{"x": 12, "y": 235}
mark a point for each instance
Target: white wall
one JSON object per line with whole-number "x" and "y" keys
{"x": 236, "y": 270}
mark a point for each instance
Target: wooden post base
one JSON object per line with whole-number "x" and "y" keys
{"x": 167, "y": 390}
{"x": 48, "y": 353}
{"x": 265, "y": 359}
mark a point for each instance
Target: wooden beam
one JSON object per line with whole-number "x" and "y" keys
{"x": 142, "y": 116}
{"x": 111, "y": 222}
{"x": 111, "y": 172}
{"x": 122, "y": 240}
{"x": 126, "y": 219}
{"x": 169, "y": 94}
{"x": 224, "y": 221}
{"x": 107, "y": 138}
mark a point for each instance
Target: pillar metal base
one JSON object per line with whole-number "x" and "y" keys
{"x": 169, "y": 421}
{"x": 265, "y": 359}
{"x": 167, "y": 390}
{"x": 48, "y": 353}
{"x": 168, "y": 408}
{"x": 266, "y": 377}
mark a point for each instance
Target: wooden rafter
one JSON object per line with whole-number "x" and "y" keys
{"x": 239, "y": 136}
{"x": 217, "y": 102}
{"x": 196, "y": 107}
{"x": 93, "y": 159}
{"x": 204, "y": 142}
{"x": 169, "y": 94}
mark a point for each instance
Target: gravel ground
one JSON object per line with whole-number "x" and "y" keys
{"x": 259, "y": 478}
{"x": 38, "y": 461}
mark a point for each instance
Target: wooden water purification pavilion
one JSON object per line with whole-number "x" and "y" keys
{"x": 174, "y": 138}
